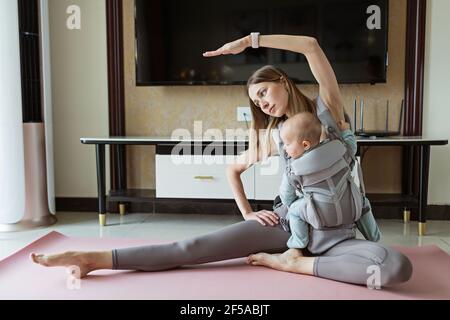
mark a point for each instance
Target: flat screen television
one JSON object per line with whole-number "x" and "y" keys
{"x": 171, "y": 36}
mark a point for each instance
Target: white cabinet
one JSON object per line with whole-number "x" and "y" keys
{"x": 204, "y": 177}
{"x": 198, "y": 177}
{"x": 268, "y": 175}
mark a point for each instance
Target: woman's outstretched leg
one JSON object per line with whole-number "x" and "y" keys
{"x": 234, "y": 241}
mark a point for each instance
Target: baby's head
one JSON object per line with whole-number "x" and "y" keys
{"x": 300, "y": 133}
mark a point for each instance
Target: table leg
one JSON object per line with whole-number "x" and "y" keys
{"x": 406, "y": 215}
{"x": 408, "y": 158}
{"x": 100, "y": 152}
{"x": 120, "y": 178}
{"x": 423, "y": 187}
{"x": 410, "y": 167}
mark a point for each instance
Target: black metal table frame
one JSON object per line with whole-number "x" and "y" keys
{"x": 424, "y": 163}
{"x": 407, "y": 179}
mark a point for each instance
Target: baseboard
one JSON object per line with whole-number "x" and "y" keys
{"x": 223, "y": 207}
{"x": 438, "y": 212}
{"x": 77, "y": 204}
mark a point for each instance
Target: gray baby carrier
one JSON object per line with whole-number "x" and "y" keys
{"x": 332, "y": 202}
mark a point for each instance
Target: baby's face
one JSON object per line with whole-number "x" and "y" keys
{"x": 292, "y": 145}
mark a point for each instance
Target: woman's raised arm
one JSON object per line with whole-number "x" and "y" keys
{"x": 320, "y": 66}
{"x": 328, "y": 86}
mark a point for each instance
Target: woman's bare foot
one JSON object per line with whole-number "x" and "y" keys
{"x": 85, "y": 261}
{"x": 290, "y": 261}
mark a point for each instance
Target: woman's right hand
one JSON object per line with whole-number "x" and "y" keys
{"x": 234, "y": 47}
{"x": 264, "y": 217}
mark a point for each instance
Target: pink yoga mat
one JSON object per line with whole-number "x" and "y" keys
{"x": 227, "y": 280}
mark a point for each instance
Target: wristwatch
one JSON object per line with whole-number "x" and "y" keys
{"x": 255, "y": 39}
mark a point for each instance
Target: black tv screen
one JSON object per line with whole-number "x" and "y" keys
{"x": 171, "y": 36}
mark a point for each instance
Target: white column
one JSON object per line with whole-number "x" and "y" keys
{"x": 12, "y": 176}
{"x": 47, "y": 102}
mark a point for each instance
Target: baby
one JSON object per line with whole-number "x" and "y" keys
{"x": 301, "y": 134}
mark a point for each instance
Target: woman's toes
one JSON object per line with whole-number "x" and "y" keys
{"x": 253, "y": 259}
{"x": 33, "y": 257}
{"x": 39, "y": 259}
{"x": 260, "y": 257}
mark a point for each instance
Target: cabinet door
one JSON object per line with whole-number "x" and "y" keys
{"x": 198, "y": 177}
{"x": 268, "y": 176}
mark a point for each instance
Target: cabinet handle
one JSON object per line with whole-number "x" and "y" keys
{"x": 204, "y": 178}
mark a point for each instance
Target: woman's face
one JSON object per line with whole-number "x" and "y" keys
{"x": 271, "y": 97}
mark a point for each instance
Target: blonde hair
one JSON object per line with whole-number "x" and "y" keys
{"x": 263, "y": 124}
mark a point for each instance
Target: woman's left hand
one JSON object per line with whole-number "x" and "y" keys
{"x": 343, "y": 125}
{"x": 234, "y": 47}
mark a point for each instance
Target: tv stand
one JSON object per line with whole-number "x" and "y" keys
{"x": 407, "y": 199}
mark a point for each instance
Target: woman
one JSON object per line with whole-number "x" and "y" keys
{"x": 273, "y": 97}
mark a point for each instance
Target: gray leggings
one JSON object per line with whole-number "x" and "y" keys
{"x": 348, "y": 261}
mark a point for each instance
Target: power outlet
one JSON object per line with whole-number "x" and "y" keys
{"x": 244, "y": 114}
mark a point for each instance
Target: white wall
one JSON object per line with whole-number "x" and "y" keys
{"x": 79, "y": 71}
{"x": 80, "y": 96}
{"x": 12, "y": 166}
{"x": 437, "y": 97}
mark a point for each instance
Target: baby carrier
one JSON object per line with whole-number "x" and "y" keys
{"x": 332, "y": 202}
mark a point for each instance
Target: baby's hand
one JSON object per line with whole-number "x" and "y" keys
{"x": 343, "y": 125}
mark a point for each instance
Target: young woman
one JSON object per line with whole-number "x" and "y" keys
{"x": 273, "y": 98}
